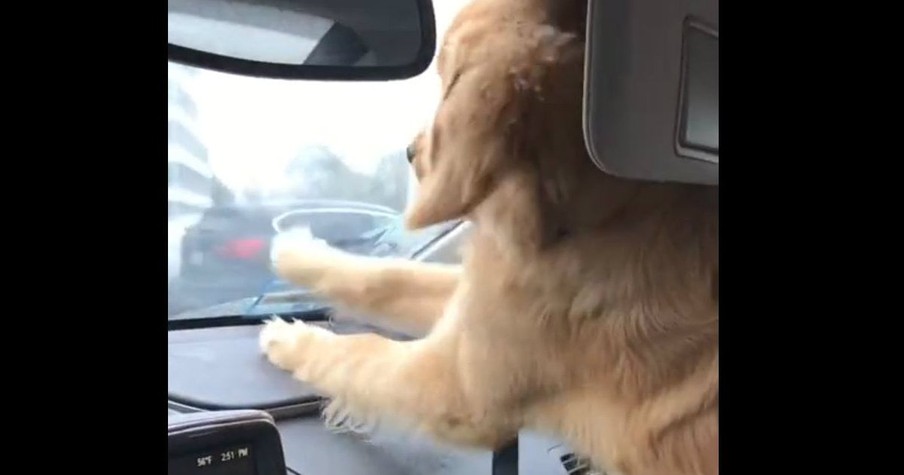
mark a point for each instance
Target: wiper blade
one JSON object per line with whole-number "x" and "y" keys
{"x": 238, "y": 308}
{"x": 279, "y": 297}
{"x": 284, "y": 303}
{"x": 292, "y": 304}
{"x": 224, "y": 315}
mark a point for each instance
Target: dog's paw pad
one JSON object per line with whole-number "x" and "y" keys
{"x": 274, "y": 332}
{"x": 287, "y": 345}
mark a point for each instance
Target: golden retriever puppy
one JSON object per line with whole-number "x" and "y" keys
{"x": 586, "y": 306}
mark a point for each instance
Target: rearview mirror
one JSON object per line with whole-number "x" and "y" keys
{"x": 304, "y": 39}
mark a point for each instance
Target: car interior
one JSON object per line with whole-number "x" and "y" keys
{"x": 650, "y": 113}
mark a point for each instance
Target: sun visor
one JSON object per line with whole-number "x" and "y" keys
{"x": 651, "y": 99}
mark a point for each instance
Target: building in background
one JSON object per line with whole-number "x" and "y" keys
{"x": 191, "y": 184}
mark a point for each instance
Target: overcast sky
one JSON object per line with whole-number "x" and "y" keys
{"x": 252, "y": 127}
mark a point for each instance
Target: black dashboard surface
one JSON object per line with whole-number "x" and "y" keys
{"x": 224, "y": 366}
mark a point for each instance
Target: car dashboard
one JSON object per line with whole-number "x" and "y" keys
{"x": 222, "y": 368}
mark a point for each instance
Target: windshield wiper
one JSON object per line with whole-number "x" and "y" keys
{"x": 286, "y": 302}
{"x": 251, "y": 311}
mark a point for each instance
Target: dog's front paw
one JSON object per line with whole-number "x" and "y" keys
{"x": 287, "y": 345}
{"x": 305, "y": 262}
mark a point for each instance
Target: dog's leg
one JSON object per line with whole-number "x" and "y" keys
{"x": 396, "y": 293}
{"x": 413, "y": 384}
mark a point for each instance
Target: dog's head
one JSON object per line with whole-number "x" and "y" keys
{"x": 511, "y": 92}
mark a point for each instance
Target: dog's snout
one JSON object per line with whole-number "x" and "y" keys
{"x": 410, "y": 151}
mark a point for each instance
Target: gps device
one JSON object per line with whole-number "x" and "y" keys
{"x": 240, "y": 442}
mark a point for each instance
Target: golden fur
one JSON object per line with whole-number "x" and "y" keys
{"x": 586, "y": 306}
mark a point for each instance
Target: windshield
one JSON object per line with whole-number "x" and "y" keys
{"x": 253, "y": 162}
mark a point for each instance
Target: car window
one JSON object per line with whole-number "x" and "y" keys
{"x": 252, "y": 161}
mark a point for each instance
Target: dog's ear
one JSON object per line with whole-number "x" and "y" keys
{"x": 465, "y": 149}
